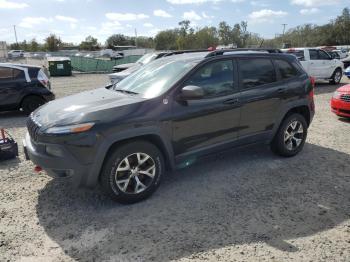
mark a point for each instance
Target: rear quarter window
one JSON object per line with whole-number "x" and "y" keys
{"x": 5, "y": 73}
{"x": 286, "y": 69}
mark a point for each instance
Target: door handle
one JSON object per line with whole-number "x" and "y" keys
{"x": 231, "y": 101}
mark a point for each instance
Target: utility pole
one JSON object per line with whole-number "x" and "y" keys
{"x": 14, "y": 28}
{"x": 135, "y": 37}
{"x": 284, "y": 30}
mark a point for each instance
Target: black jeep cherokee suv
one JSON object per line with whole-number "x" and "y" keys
{"x": 23, "y": 87}
{"x": 126, "y": 136}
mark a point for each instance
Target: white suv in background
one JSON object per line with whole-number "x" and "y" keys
{"x": 15, "y": 53}
{"x": 318, "y": 63}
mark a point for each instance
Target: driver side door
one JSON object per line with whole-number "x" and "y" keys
{"x": 200, "y": 125}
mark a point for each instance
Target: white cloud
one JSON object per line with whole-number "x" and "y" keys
{"x": 29, "y": 22}
{"x": 161, "y": 13}
{"x": 204, "y": 15}
{"x": 191, "y": 15}
{"x": 186, "y": 2}
{"x": 310, "y": 3}
{"x": 148, "y": 25}
{"x": 310, "y": 11}
{"x": 4, "y": 4}
{"x": 125, "y": 16}
{"x": 66, "y": 18}
{"x": 259, "y": 3}
{"x": 266, "y": 15}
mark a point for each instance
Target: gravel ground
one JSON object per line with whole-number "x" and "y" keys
{"x": 242, "y": 205}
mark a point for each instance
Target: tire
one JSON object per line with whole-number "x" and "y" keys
{"x": 283, "y": 147}
{"x": 336, "y": 77}
{"x": 30, "y": 103}
{"x": 121, "y": 180}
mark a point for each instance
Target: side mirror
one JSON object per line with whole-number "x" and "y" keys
{"x": 192, "y": 93}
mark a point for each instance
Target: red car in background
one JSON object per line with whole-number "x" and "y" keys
{"x": 340, "y": 102}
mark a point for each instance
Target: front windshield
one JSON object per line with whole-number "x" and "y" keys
{"x": 155, "y": 78}
{"x": 145, "y": 59}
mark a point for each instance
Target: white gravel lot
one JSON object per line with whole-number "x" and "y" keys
{"x": 242, "y": 205}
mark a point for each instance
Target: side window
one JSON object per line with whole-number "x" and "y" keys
{"x": 256, "y": 72}
{"x": 5, "y": 73}
{"x": 215, "y": 78}
{"x": 286, "y": 69}
{"x": 322, "y": 55}
{"x": 313, "y": 54}
{"x": 18, "y": 74}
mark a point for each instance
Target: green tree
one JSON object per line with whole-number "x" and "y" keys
{"x": 166, "y": 40}
{"x": 90, "y": 44}
{"x": 53, "y": 43}
{"x": 119, "y": 39}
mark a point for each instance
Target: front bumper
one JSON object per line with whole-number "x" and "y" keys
{"x": 340, "y": 107}
{"x": 61, "y": 165}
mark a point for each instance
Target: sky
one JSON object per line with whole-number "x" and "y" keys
{"x": 73, "y": 20}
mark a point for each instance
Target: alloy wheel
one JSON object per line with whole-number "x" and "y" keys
{"x": 135, "y": 173}
{"x": 293, "y": 136}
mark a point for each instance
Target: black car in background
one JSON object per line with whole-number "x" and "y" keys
{"x": 23, "y": 87}
{"x": 169, "y": 113}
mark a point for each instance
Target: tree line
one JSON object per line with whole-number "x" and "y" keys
{"x": 185, "y": 36}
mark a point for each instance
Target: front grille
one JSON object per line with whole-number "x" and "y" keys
{"x": 344, "y": 111}
{"x": 33, "y": 128}
{"x": 345, "y": 98}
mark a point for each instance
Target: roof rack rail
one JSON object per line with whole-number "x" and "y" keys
{"x": 223, "y": 51}
{"x": 185, "y": 51}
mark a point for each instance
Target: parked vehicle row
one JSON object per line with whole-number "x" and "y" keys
{"x": 169, "y": 112}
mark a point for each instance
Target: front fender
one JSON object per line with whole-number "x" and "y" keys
{"x": 108, "y": 141}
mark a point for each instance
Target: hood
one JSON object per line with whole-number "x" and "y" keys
{"x": 344, "y": 89}
{"x": 84, "y": 107}
{"x": 125, "y": 73}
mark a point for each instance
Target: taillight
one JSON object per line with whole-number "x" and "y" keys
{"x": 43, "y": 79}
{"x": 312, "y": 81}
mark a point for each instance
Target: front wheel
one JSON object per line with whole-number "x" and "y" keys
{"x": 291, "y": 136}
{"x": 336, "y": 77}
{"x": 132, "y": 172}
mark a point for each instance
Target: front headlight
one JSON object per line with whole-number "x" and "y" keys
{"x": 70, "y": 129}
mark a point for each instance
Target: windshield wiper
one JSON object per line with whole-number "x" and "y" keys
{"x": 126, "y": 91}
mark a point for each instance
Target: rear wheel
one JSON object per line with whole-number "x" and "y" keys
{"x": 336, "y": 77}
{"x": 291, "y": 136}
{"x": 30, "y": 103}
{"x": 132, "y": 172}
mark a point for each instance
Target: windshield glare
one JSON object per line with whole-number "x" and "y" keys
{"x": 145, "y": 59}
{"x": 155, "y": 78}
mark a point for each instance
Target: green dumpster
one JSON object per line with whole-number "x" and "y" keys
{"x": 59, "y": 66}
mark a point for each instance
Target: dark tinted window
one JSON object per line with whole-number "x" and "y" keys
{"x": 322, "y": 55}
{"x": 313, "y": 54}
{"x": 285, "y": 69}
{"x": 215, "y": 78}
{"x": 5, "y": 73}
{"x": 18, "y": 74}
{"x": 256, "y": 72}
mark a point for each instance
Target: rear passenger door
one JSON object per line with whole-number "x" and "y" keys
{"x": 260, "y": 97}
